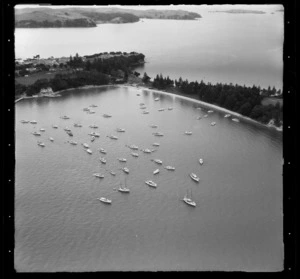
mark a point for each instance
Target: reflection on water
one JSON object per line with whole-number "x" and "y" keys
{"x": 60, "y": 226}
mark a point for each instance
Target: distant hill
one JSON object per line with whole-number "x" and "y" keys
{"x": 90, "y": 17}
{"x": 240, "y": 11}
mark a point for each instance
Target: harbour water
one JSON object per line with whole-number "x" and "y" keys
{"x": 61, "y": 226}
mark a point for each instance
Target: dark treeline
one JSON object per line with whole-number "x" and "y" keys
{"x": 76, "y": 22}
{"x": 105, "y": 17}
{"x": 237, "y": 98}
{"x": 65, "y": 81}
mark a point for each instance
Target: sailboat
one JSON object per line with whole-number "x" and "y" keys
{"x": 124, "y": 189}
{"x": 188, "y": 200}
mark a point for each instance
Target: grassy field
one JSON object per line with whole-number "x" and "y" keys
{"x": 41, "y": 75}
{"x": 269, "y": 100}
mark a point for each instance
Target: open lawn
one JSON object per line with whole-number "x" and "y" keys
{"x": 41, "y": 75}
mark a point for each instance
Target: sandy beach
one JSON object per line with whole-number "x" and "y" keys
{"x": 203, "y": 104}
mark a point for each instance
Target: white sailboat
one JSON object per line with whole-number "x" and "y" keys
{"x": 124, "y": 189}
{"x": 188, "y": 200}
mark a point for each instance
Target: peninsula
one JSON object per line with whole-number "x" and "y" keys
{"x": 116, "y": 68}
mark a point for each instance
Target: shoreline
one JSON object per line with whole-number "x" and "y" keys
{"x": 137, "y": 86}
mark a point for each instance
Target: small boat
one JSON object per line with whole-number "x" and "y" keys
{"x": 73, "y": 142}
{"x": 41, "y": 144}
{"x": 98, "y": 175}
{"x": 93, "y": 126}
{"x": 210, "y": 111}
{"x": 51, "y": 139}
{"x": 156, "y": 171}
{"x": 105, "y": 200}
{"x": 169, "y": 168}
{"x": 155, "y": 144}
{"x": 36, "y": 133}
{"x": 235, "y": 120}
{"x": 138, "y": 94}
{"x": 77, "y": 125}
{"x": 158, "y": 161}
{"x": 199, "y": 117}
{"x": 205, "y": 115}
{"x": 156, "y": 99}
{"x": 101, "y": 150}
{"x": 123, "y": 189}
{"x": 158, "y": 134}
{"x": 89, "y": 151}
{"x": 65, "y": 117}
{"x": 24, "y": 121}
{"x": 113, "y": 137}
{"x": 93, "y": 138}
{"x": 86, "y": 109}
{"x": 135, "y": 154}
{"x": 145, "y": 112}
{"x": 201, "y": 161}
{"x": 189, "y": 201}
{"x": 213, "y": 123}
{"x": 143, "y": 107}
{"x": 85, "y": 145}
{"x": 67, "y": 129}
{"x": 70, "y": 133}
{"x": 188, "y": 132}
{"x": 153, "y": 126}
{"x": 120, "y": 130}
{"x": 198, "y": 108}
{"x": 133, "y": 147}
{"x": 33, "y": 122}
{"x": 93, "y": 106}
{"x": 126, "y": 170}
{"x": 94, "y": 134}
{"x": 112, "y": 173}
{"x": 91, "y": 112}
{"x": 195, "y": 177}
{"x": 170, "y": 108}
{"x": 122, "y": 159}
{"x": 102, "y": 160}
{"x": 106, "y": 115}
{"x": 54, "y": 126}
{"x": 142, "y": 104}
{"x": 146, "y": 150}
{"x": 227, "y": 115}
{"x": 161, "y": 109}
{"x": 151, "y": 183}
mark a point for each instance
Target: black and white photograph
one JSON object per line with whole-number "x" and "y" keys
{"x": 148, "y": 138}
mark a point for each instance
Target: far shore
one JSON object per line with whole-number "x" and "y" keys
{"x": 138, "y": 86}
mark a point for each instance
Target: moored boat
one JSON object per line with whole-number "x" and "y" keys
{"x": 153, "y": 126}
{"x": 77, "y": 125}
{"x": 145, "y": 112}
{"x": 156, "y": 99}
{"x": 33, "y": 122}
{"x": 126, "y": 170}
{"x": 235, "y": 120}
{"x": 101, "y": 150}
{"x": 188, "y": 132}
{"x": 155, "y": 144}
{"x": 156, "y": 171}
{"x": 135, "y": 154}
{"x": 93, "y": 126}
{"x": 169, "y": 168}
{"x": 41, "y": 144}
{"x": 146, "y": 150}
{"x": 151, "y": 183}
{"x": 54, "y": 126}
{"x": 51, "y": 139}
{"x": 120, "y": 130}
{"x": 94, "y": 134}
{"x": 105, "y": 200}
{"x": 210, "y": 111}
{"x": 133, "y": 147}
{"x": 194, "y": 177}
{"x": 89, "y": 151}
{"x": 161, "y": 109}
{"x": 158, "y": 161}
{"x": 205, "y": 115}
{"x": 158, "y": 134}
{"x": 106, "y": 115}
{"x": 93, "y": 138}
{"x": 201, "y": 161}
{"x": 73, "y": 142}
{"x": 85, "y": 145}
{"x": 98, "y": 175}
{"x": 227, "y": 115}
{"x": 189, "y": 201}
{"x": 36, "y": 133}
{"x": 102, "y": 160}
{"x": 112, "y": 137}
{"x": 24, "y": 121}
{"x": 112, "y": 173}
{"x": 65, "y": 117}
{"x": 122, "y": 159}
{"x": 170, "y": 108}
{"x": 213, "y": 123}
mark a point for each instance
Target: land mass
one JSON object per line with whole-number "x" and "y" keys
{"x": 240, "y": 11}
{"x": 118, "y": 68}
{"x": 90, "y": 17}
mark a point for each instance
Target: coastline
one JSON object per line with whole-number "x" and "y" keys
{"x": 138, "y": 86}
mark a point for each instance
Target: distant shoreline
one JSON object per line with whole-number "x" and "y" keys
{"x": 206, "y": 105}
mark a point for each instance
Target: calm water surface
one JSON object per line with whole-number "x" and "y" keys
{"x": 61, "y": 226}
{"x": 220, "y": 47}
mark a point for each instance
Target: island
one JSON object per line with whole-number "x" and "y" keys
{"x": 90, "y": 17}
{"x": 40, "y": 77}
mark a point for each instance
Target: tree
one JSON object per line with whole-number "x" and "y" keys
{"x": 146, "y": 78}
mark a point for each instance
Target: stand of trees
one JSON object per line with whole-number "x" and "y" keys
{"x": 240, "y": 99}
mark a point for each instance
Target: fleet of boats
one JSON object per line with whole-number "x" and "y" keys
{"x": 188, "y": 200}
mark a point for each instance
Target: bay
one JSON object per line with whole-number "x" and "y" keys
{"x": 61, "y": 226}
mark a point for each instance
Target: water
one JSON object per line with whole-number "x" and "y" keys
{"x": 220, "y": 47}
{"x": 61, "y": 226}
